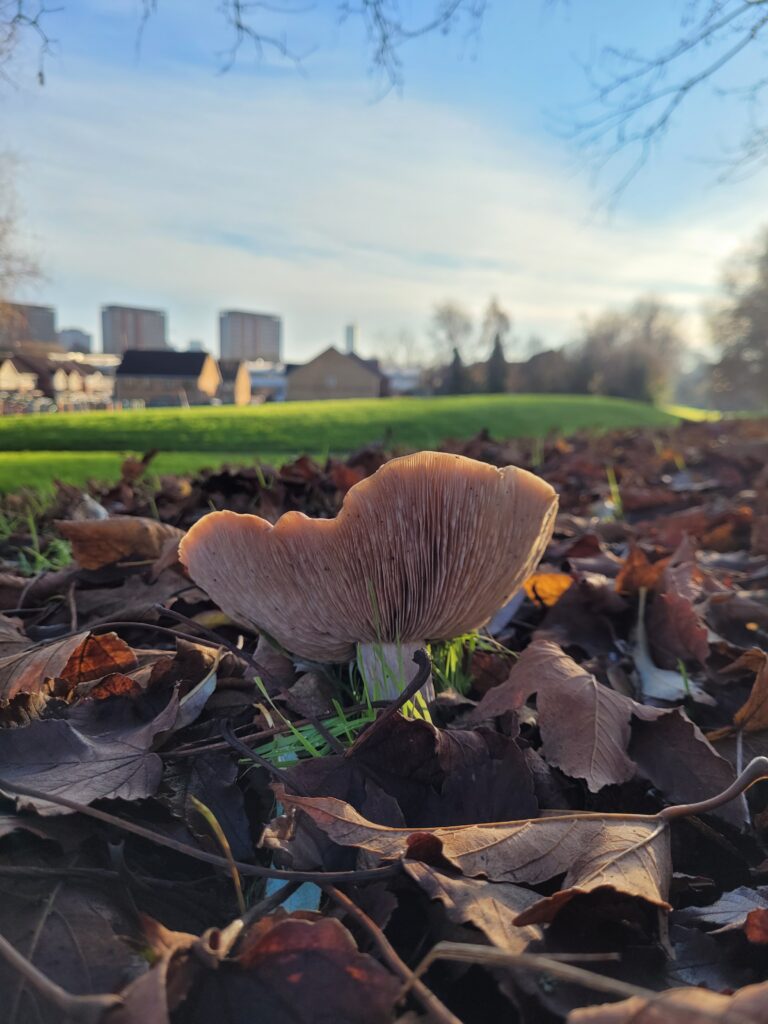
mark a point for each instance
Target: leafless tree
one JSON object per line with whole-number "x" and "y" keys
{"x": 17, "y": 266}
{"x": 635, "y": 98}
{"x": 632, "y": 353}
{"x": 387, "y": 26}
{"x": 450, "y": 329}
{"x": 21, "y": 20}
{"x": 638, "y": 97}
{"x": 739, "y": 328}
{"x": 497, "y": 323}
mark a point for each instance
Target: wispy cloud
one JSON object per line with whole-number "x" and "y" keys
{"x": 306, "y": 199}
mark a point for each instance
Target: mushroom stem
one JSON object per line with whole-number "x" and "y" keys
{"x": 386, "y": 669}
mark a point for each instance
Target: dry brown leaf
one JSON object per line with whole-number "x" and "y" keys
{"x": 12, "y": 640}
{"x": 756, "y": 926}
{"x": 681, "y": 1006}
{"x": 627, "y": 853}
{"x": 584, "y": 725}
{"x": 547, "y": 587}
{"x": 752, "y": 716}
{"x": 74, "y": 659}
{"x": 586, "y": 729}
{"x": 99, "y": 543}
{"x": 492, "y": 907}
{"x": 638, "y": 571}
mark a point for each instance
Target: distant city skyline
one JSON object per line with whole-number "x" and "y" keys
{"x": 310, "y": 193}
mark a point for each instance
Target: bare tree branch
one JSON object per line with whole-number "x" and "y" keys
{"x": 640, "y": 95}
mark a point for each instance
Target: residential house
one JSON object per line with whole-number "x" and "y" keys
{"x": 334, "y": 374}
{"x": 235, "y": 382}
{"x": 65, "y": 383}
{"x": 17, "y": 376}
{"x": 269, "y": 381}
{"x": 164, "y": 377}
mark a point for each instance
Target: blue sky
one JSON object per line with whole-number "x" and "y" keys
{"x": 151, "y": 178}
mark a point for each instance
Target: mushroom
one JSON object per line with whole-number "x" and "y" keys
{"x": 428, "y": 548}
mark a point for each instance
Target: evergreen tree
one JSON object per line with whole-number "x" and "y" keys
{"x": 456, "y": 382}
{"x": 496, "y": 368}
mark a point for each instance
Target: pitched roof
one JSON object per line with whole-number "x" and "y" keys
{"x": 229, "y": 368}
{"x": 161, "y": 363}
{"x": 372, "y": 365}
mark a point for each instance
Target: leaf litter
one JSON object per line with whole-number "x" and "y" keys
{"x": 550, "y": 833}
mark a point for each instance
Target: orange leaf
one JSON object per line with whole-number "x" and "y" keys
{"x": 547, "y": 587}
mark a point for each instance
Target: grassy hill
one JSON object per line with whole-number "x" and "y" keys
{"x": 76, "y": 446}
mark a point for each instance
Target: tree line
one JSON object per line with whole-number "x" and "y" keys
{"x": 639, "y": 352}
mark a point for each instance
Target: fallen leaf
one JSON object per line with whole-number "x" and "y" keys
{"x": 639, "y": 572}
{"x": 99, "y": 753}
{"x": 626, "y": 853}
{"x": 436, "y": 776}
{"x": 492, "y": 907}
{"x": 81, "y": 937}
{"x": 297, "y": 971}
{"x": 676, "y": 630}
{"x": 604, "y": 737}
{"x": 12, "y": 640}
{"x": 117, "y": 539}
{"x": 547, "y": 587}
{"x": 584, "y": 725}
{"x": 729, "y": 912}
{"x": 659, "y": 683}
{"x": 753, "y": 715}
{"x": 673, "y": 753}
{"x": 212, "y": 779}
{"x": 681, "y": 1006}
{"x": 756, "y": 926}
{"x": 74, "y": 659}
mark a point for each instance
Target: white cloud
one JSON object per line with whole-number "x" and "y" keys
{"x": 307, "y": 200}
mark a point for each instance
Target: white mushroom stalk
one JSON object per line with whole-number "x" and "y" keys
{"x": 426, "y": 549}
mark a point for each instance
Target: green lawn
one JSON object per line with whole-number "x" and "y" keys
{"x": 78, "y": 446}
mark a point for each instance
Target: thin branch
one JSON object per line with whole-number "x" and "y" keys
{"x": 84, "y": 1009}
{"x": 463, "y": 952}
{"x": 434, "y": 1007}
{"x": 318, "y": 877}
{"x": 643, "y": 101}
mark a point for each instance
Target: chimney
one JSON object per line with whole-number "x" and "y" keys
{"x": 350, "y": 339}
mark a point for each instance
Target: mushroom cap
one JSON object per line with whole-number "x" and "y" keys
{"x": 428, "y": 548}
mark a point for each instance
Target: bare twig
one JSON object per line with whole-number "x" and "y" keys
{"x": 434, "y": 1007}
{"x": 464, "y": 952}
{"x": 83, "y": 1009}
{"x": 190, "y": 851}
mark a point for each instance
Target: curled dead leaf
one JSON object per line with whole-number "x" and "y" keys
{"x": 117, "y": 539}
{"x": 627, "y": 853}
{"x": 681, "y": 1006}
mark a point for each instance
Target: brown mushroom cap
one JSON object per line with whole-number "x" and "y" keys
{"x": 427, "y": 548}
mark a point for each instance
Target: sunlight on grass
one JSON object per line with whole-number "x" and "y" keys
{"x": 336, "y": 426}
{"x": 77, "y": 447}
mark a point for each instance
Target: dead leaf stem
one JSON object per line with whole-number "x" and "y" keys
{"x": 756, "y": 770}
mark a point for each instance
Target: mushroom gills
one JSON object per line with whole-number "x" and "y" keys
{"x": 387, "y": 668}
